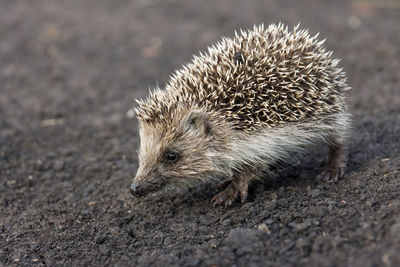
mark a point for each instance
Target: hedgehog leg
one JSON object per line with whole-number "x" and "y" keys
{"x": 228, "y": 196}
{"x": 234, "y": 188}
{"x": 336, "y": 163}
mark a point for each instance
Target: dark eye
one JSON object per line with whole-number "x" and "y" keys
{"x": 172, "y": 156}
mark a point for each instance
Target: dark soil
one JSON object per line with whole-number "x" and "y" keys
{"x": 69, "y": 72}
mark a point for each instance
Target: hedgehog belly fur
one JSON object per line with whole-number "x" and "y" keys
{"x": 265, "y": 147}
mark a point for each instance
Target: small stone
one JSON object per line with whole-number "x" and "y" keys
{"x": 101, "y": 239}
{"x": 47, "y": 175}
{"x": 264, "y": 228}
{"x": 2, "y": 187}
{"x": 315, "y": 193}
{"x": 300, "y": 243}
{"x": 39, "y": 164}
{"x": 285, "y": 218}
{"x": 226, "y": 222}
{"x": 371, "y": 202}
{"x": 213, "y": 243}
{"x": 11, "y": 182}
{"x": 365, "y": 225}
{"x": 67, "y": 151}
{"x": 193, "y": 261}
{"x": 63, "y": 176}
{"x": 247, "y": 206}
{"x": 271, "y": 205}
{"x": 58, "y": 165}
{"x": 299, "y": 227}
{"x": 89, "y": 189}
{"x": 204, "y": 220}
{"x": 243, "y": 241}
{"x": 239, "y": 237}
{"x": 167, "y": 241}
{"x": 363, "y": 197}
{"x": 269, "y": 221}
{"x": 86, "y": 212}
{"x": 331, "y": 202}
{"x": 317, "y": 211}
{"x": 50, "y": 155}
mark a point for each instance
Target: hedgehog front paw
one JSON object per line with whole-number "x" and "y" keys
{"x": 332, "y": 174}
{"x": 231, "y": 192}
{"x": 227, "y": 197}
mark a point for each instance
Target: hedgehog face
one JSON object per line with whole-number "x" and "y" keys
{"x": 176, "y": 154}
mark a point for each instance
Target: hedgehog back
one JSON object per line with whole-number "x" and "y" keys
{"x": 260, "y": 78}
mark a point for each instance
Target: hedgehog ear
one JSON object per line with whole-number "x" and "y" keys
{"x": 198, "y": 121}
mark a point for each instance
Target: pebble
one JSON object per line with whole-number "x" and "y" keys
{"x": 86, "y": 212}
{"x": 264, "y": 228}
{"x": 239, "y": 237}
{"x": 47, "y": 175}
{"x": 317, "y": 211}
{"x": 213, "y": 243}
{"x": 226, "y": 222}
{"x": 2, "y": 187}
{"x": 11, "y": 182}
{"x": 315, "y": 193}
{"x": 285, "y": 218}
{"x": 89, "y": 189}
{"x": 300, "y": 243}
{"x": 50, "y": 155}
{"x": 193, "y": 261}
{"x": 299, "y": 227}
{"x": 101, "y": 239}
{"x": 58, "y": 165}
{"x": 269, "y": 221}
{"x": 167, "y": 241}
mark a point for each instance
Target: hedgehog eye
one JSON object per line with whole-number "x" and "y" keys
{"x": 171, "y": 156}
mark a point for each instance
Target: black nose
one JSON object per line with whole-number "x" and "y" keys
{"x": 136, "y": 190}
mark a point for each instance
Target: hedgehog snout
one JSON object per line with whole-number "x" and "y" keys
{"x": 136, "y": 190}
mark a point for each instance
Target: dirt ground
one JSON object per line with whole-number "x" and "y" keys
{"x": 69, "y": 72}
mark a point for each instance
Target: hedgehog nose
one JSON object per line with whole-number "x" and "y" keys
{"x": 136, "y": 190}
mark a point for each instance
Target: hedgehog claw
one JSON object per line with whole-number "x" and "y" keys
{"x": 231, "y": 191}
{"x": 243, "y": 196}
{"x": 331, "y": 175}
{"x": 227, "y": 197}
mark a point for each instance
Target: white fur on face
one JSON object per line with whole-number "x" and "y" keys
{"x": 148, "y": 151}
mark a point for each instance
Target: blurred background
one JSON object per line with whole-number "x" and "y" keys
{"x": 60, "y": 59}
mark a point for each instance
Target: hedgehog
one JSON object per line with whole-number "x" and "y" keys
{"x": 237, "y": 111}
